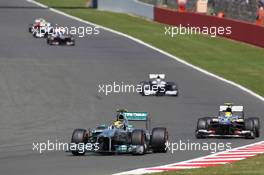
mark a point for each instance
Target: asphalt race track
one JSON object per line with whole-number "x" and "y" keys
{"x": 46, "y": 92}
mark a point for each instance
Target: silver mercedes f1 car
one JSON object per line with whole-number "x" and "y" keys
{"x": 121, "y": 136}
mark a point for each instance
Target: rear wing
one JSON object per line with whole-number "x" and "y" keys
{"x": 235, "y": 109}
{"x": 153, "y": 76}
{"x": 222, "y": 108}
{"x": 138, "y": 116}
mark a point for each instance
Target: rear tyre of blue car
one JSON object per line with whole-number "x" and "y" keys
{"x": 256, "y": 123}
{"x": 249, "y": 126}
{"x": 79, "y": 136}
{"x": 202, "y": 124}
{"x": 159, "y": 138}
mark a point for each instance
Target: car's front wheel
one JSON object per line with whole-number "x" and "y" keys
{"x": 79, "y": 136}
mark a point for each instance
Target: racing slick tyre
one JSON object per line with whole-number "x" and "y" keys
{"x": 138, "y": 139}
{"x": 159, "y": 138}
{"x": 256, "y": 123}
{"x": 208, "y": 122}
{"x": 173, "y": 87}
{"x": 202, "y": 124}
{"x": 48, "y": 41}
{"x": 73, "y": 42}
{"x": 249, "y": 126}
{"x": 46, "y": 35}
{"x": 30, "y": 28}
{"x": 79, "y": 136}
{"x": 143, "y": 84}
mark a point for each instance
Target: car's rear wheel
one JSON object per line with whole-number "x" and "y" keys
{"x": 159, "y": 138}
{"x": 79, "y": 136}
{"x": 143, "y": 84}
{"x": 249, "y": 126}
{"x": 138, "y": 139}
{"x": 73, "y": 42}
{"x": 202, "y": 124}
{"x": 173, "y": 87}
{"x": 30, "y": 28}
{"x": 256, "y": 123}
{"x": 208, "y": 121}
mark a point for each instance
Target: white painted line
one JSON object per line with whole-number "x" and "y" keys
{"x": 175, "y": 169}
{"x": 226, "y": 157}
{"x": 198, "y": 163}
{"x": 241, "y": 152}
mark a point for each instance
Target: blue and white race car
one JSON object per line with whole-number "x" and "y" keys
{"x": 121, "y": 136}
{"x": 157, "y": 86}
{"x": 230, "y": 122}
{"x": 60, "y": 37}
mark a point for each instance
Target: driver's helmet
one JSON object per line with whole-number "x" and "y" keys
{"x": 120, "y": 117}
{"x": 228, "y": 112}
{"x": 158, "y": 80}
{"x": 117, "y": 124}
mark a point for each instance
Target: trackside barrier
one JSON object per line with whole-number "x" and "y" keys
{"x": 94, "y": 3}
{"x": 241, "y": 31}
{"x": 133, "y": 7}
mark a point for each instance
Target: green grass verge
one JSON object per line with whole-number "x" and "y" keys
{"x": 241, "y": 63}
{"x": 251, "y": 166}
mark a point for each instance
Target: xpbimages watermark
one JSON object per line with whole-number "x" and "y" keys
{"x": 187, "y": 145}
{"x": 212, "y": 31}
{"x": 42, "y": 147}
{"x": 121, "y": 87}
{"x": 80, "y": 31}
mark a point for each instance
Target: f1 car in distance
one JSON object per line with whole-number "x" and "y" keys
{"x": 230, "y": 122}
{"x": 41, "y": 28}
{"x": 59, "y": 37}
{"x": 122, "y": 137}
{"x": 157, "y": 86}
{"x": 36, "y": 23}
